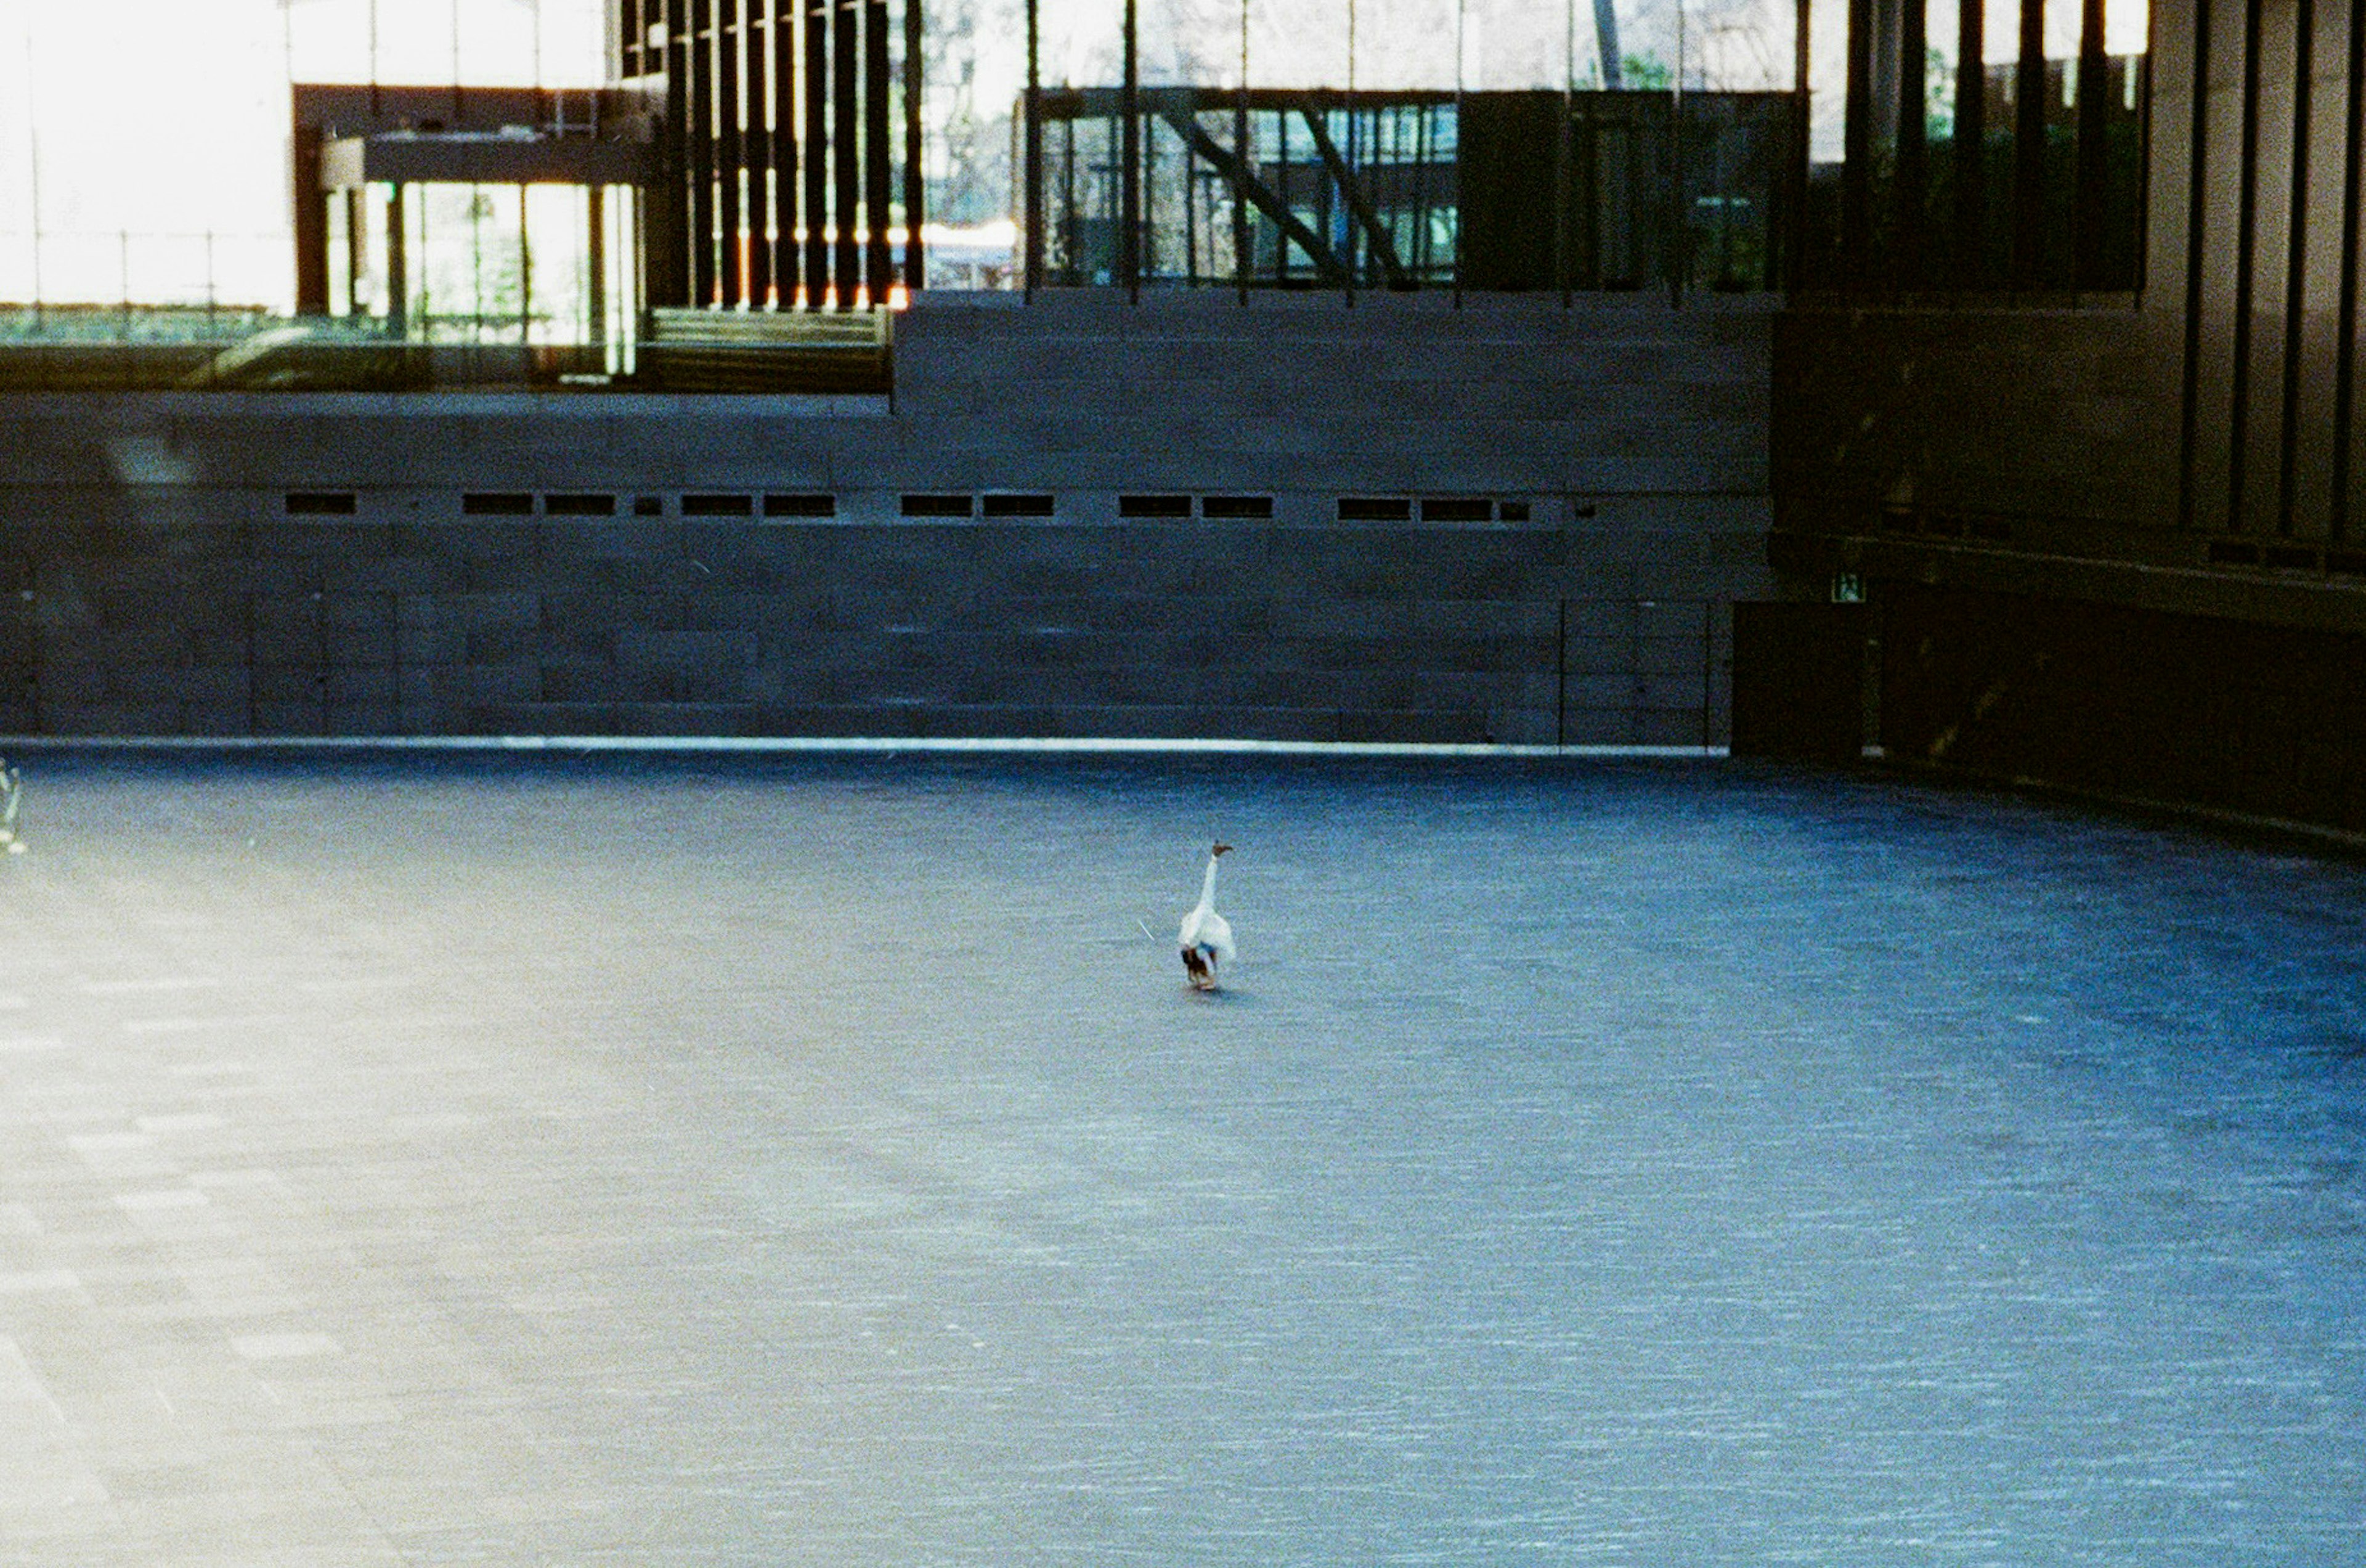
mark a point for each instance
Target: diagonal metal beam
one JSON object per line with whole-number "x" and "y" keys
{"x": 1256, "y": 192}
{"x": 1384, "y": 243}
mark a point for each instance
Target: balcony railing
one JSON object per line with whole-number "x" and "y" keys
{"x": 114, "y": 348}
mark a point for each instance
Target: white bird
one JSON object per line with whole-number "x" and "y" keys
{"x": 1206, "y": 935}
{"x": 12, "y": 786}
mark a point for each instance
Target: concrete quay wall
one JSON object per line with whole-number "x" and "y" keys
{"x": 1077, "y": 518}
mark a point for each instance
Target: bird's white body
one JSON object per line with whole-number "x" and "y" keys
{"x": 1206, "y": 936}
{"x": 12, "y": 786}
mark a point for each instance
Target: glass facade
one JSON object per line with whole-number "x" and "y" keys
{"x": 1492, "y": 191}
{"x": 532, "y": 181}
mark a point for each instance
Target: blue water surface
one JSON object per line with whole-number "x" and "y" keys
{"x": 1664, "y": 1165}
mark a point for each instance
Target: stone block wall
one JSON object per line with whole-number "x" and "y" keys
{"x": 1400, "y": 393}
{"x": 206, "y": 564}
{"x": 695, "y": 626}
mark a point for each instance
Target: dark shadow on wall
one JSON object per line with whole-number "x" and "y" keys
{"x": 2224, "y": 715}
{"x": 1799, "y": 682}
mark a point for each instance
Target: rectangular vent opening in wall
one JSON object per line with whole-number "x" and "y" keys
{"x": 1154, "y": 506}
{"x": 713, "y": 505}
{"x": 1236, "y": 506}
{"x": 1457, "y": 509}
{"x": 578, "y": 505}
{"x": 1018, "y": 506}
{"x": 2289, "y": 557}
{"x": 937, "y": 506}
{"x": 649, "y": 506}
{"x": 1374, "y": 508}
{"x": 1513, "y": 512}
{"x": 497, "y": 504}
{"x": 2233, "y": 552}
{"x": 320, "y": 503}
{"x": 802, "y": 504}
{"x": 2349, "y": 563}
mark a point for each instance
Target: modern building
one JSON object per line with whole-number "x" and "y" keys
{"x": 2018, "y": 420}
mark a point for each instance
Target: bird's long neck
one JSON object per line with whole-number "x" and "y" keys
{"x": 1207, "y": 886}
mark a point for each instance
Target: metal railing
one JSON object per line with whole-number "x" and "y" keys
{"x": 115, "y": 348}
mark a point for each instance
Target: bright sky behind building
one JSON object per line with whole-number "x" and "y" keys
{"x": 153, "y": 130}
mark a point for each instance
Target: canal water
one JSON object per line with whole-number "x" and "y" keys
{"x": 806, "y": 1161}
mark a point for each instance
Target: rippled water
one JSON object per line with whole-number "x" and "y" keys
{"x": 824, "y": 1162}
